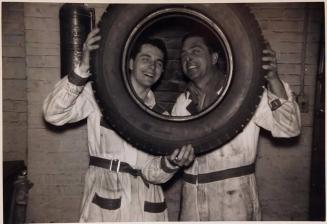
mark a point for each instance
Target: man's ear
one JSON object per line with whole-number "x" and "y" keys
{"x": 214, "y": 58}
{"x": 131, "y": 64}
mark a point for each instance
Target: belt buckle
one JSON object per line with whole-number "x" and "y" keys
{"x": 118, "y": 165}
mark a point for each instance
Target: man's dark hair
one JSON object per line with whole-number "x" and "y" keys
{"x": 208, "y": 39}
{"x": 152, "y": 41}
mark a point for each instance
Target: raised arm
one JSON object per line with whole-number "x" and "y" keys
{"x": 72, "y": 99}
{"x": 278, "y": 110}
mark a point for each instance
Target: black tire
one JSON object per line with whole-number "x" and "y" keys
{"x": 158, "y": 136}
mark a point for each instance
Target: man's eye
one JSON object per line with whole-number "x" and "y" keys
{"x": 145, "y": 59}
{"x": 196, "y": 51}
{"x": 159, "y": 64}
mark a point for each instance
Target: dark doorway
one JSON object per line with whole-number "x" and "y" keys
{"x": 317, "y": 183}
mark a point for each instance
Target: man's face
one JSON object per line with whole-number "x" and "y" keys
{"x": 196, "y": 58}
{"x": 147, "y": 66}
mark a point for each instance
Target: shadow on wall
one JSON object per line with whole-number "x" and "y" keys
{"x": 281, "y": 143}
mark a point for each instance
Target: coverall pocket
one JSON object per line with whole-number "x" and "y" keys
{"x": 107, "y": 203}
{"x": 154, "y": 207}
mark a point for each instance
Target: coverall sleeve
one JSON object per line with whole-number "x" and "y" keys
{"x": 69, "y": 102}
{"x": 280, "y": 116}
{"x": 158, "y": 170}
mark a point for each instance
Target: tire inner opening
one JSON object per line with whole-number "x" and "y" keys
{"x": 171, "y": 27}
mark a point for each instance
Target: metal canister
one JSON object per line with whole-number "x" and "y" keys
{"x": 19, "y": 199}
{"x": 76, "y": 21}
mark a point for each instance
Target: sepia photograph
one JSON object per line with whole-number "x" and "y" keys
{"x": 154, "y": 111}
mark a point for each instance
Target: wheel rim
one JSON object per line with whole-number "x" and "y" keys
{"x": 188, "y": 15}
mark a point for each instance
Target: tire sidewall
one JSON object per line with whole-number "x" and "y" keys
{"x": 158, "y": 136}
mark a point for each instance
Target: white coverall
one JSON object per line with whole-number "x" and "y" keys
{"x": 123, "y": 197}
{"x": 235, "y": 198}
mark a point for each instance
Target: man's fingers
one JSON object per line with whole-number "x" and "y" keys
{"x": 188, "y": 151}
{"x": 93, "y": 47}
{"x": 93, "y": 40}
{"x": 267, "y": 58}
{"x": 190, "y": 156}
{"x": 180, "y": 154}
{"x": 271, "y": 67}
{"x": 182, "y": 157}
{"x": 178, "y": 157}
{"x": 269, "y": 63}
{"x": 94, "y": 32}
{"x": 174, "y": 154}
{"x": 269, "y": 51}
{"x": 89, "y": 47}
{"x": 185, "y": 155}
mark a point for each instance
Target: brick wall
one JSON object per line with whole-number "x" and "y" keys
{"x": 57, "y": 158}
{"x": 283, "y": 168}
{"x": 14, "y": 82}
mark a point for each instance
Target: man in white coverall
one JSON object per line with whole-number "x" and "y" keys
{"x": 121, "y": 183}
{"x": 221, "y": 185}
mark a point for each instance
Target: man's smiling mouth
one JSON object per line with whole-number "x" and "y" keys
{"x": 149, "y": 74}
{"x": 191, "y": 67}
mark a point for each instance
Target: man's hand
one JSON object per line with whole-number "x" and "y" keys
{"x": 275, "y": 85}
{"x": 182, "y": 157}
{"x": 270, "y": 64}
{"x": 88, "y": 46}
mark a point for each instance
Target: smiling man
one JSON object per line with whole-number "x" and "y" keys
{"x": 221, "y": 185}
{"x": 199, "y": 64}
{"x": 122, "y": 182}
{"x": 146, "y": 66}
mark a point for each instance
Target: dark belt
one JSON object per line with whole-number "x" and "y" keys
{"x": 117, "y": 166}
{"x": 219, "y": 175}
